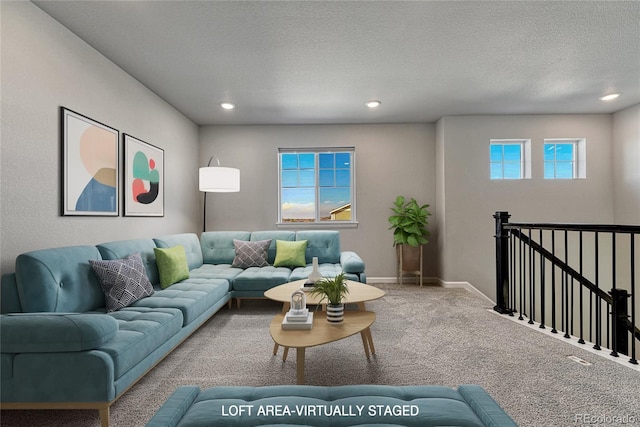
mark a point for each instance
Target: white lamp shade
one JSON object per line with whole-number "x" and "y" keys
{"x": 217, "y": 179}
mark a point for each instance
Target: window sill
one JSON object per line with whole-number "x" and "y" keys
{"x": 316, "y": 225}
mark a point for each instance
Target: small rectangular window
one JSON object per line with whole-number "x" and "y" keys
{"x": 316, "y": 185}
{"x": 509, "y": 159}
{"x": 564, "y": 158}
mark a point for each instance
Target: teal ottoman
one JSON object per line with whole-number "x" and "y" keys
{"x": 353, "y": 405}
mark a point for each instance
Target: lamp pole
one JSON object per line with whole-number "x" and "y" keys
{"x": 204, "y": 210}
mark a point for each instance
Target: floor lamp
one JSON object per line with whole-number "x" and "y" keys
{"x": 217, "y": 179}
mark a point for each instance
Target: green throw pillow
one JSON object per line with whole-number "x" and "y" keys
{"x": 290, "y": 254}
{"x": 172, "y": 265}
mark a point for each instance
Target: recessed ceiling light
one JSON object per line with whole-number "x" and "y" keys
{"x": 227, "y": 106}
{"x": 609, "y": 97}
{"x": 374, "y": 103}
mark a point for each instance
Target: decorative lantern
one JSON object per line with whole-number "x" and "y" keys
{"x": 298, "y": 301}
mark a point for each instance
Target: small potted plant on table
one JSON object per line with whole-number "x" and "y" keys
{"x": 333, "y": 290}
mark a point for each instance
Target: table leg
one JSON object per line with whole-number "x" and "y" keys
{"x": 365, "y": 343}
{"x": 300, "y": 365}
{"x": 367, "y": 332}
{"x": 367, "y": 338}
{"x": 285, "y": 352}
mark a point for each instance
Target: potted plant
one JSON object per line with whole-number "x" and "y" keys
{"x": 333, "y": 290}
{"x": 409, "y": 224}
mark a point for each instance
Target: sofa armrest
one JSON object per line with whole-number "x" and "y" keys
{"x": 55, "y": 332}
{"x": 351, "y": 262}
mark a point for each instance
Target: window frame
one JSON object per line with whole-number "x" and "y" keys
{"x": 525, "y": 158}
{"x": 317, "y": 188}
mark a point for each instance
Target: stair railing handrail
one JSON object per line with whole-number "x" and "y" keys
{"x": 562, "y": 265}
{"x": 616, "y": 299}
{"x": 611, "y": 228}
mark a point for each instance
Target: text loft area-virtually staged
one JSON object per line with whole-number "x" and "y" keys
{"x": 337, "y": 213}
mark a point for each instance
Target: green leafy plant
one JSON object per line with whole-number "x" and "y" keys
{"x": 332, "y": 289}
{"x": 409, "y": 222}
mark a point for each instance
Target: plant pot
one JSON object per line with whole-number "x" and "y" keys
{"x": 409, "y": 261}
{"x": 409, "y": 256}
{"x": 335, "y": 313}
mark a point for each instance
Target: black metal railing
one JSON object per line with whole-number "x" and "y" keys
{"x": 576, "y": 278}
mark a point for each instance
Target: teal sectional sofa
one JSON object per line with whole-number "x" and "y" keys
{"x": 317, "y": 406}
{"x": 60, "y": 346}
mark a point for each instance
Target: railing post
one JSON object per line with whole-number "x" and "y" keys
{"x": 502, "y": 264}
{"x": 620, "y": 339}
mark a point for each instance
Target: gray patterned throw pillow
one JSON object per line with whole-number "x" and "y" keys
{"x": 123, "y": 281}
{"x": 250, "y": 254}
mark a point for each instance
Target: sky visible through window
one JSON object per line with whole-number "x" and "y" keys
{"x": 506, "y": 161}
{"x": 315, "y": 184}
{"x": 559, "y": 161}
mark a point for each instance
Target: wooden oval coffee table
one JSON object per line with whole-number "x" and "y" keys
{"x": 322, "y": 332}
{"x": 359, "y": 294}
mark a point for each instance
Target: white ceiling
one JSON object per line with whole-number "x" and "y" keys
{"x": 286, "y": 62}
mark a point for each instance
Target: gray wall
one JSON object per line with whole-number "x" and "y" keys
{"x": 468, "y": 198}
{"x": 626, "y": 161}
{"x": 44, "y": 66}
{"x": 390, "y": 160}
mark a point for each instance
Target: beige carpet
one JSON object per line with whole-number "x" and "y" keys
{"x": 428, "y": 335}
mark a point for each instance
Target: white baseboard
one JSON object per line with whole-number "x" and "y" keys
{"x": 465, "y": 285}
{"x": 430, "y": 281}
{"x": 394, "y": 279}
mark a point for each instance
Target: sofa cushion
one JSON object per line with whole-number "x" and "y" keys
{"x": 123, "y": 248}
{"x": 214, "y": 271}
{"x": 250, "y": 254}
{"x": 290, "y": 254}
{"x": 217, "y": 246}
{"x": 261, "y": 278}
{"x": 123, "y": 281}
{"x": 172, "y": 265}
{"x": 326, "y": 270}
{"x": 189, "y": 241}
{"x": 192, "y": 297}
{"x": 324, "y": 244}
{"x": 55, "y": 332}
{"x": 353, "y": 405}
{"x": 141, "y": 330}
{"x": 59, "y": 280}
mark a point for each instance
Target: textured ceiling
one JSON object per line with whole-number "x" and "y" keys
{"x": 319, "y": 61}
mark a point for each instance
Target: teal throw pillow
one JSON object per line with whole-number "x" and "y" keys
{"x": 290, "y": 254}
{"x": 172, "y": 265}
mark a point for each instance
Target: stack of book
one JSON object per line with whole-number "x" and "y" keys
{"x": 298, "y": 320}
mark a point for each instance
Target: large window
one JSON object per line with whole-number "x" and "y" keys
{"x": 316, "y": 185}
{"x": 564, "y": 158}
{"x": 509, "y": 159}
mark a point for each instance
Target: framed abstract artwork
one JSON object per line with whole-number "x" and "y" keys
{"x": 90, "y": 166}
{"x": 143, "y": 178}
